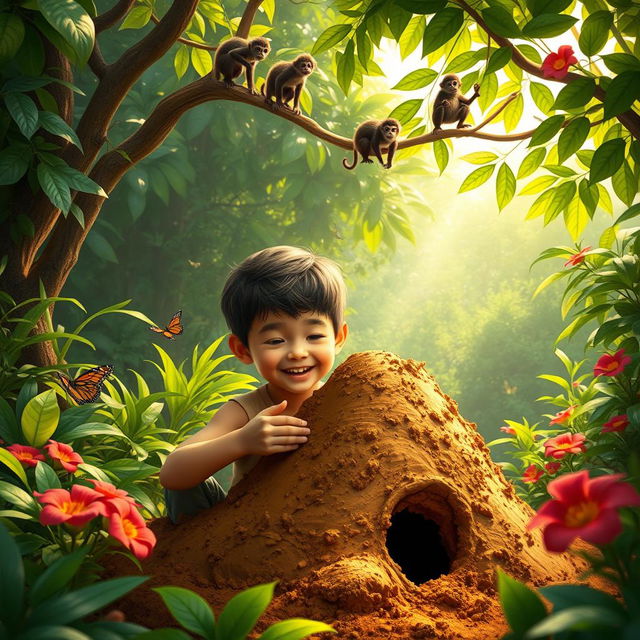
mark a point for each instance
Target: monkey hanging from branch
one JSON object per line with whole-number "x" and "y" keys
{"x": 450, "y": 105}
{"x": 375, "y": 137}
{"x": 285, "y": 82}
{"x": 236, "y": 55}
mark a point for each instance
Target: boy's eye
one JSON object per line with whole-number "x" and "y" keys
{"x": 274, "y": 341}
{"x": 317, "y": 335}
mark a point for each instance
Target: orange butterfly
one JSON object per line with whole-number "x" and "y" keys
{"x": 174, "y": 328}
{"x": 88, "y": 385}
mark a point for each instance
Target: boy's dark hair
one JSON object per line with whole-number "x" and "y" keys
{"x": 283, "y": 279}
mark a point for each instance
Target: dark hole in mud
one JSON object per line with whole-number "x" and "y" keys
{"x": 415, "y": 543}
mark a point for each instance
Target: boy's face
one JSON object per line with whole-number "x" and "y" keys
{"x": 279, "y": 343}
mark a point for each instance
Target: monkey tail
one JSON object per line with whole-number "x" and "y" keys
{"x": 355, "y": 161}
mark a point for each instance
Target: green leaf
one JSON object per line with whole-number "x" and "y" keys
{"x": 513, "y": 113}
{"x": 576, "y": 94}
{"x": 14, "y": 162}
{"x": 101, "y": 247}
{"x": 476, "y": 178}
{"x": 631, "y": 212}
{"x": 330, "y": 37}
{"x": 411, "y": 36}
{"x": 531, "y": 162}
{"x": 416, "y": 80}
{"x": 24, "y": 112}
{"x": 201, "y": 61}
{"x": 421, "y": 6}
{"x": 346, "y": 67}
{"x": 594, "y": 33}
{"x": 441, "y": 28}
{"x": 71, "y": 606}
{"x": 55, "y": 186}
{"x": 547, "y": 6}
{"x": 530, "y": 52}
{"x": 538, "y": 185}
{"x": 480, "y": 157}
{"x": 464, "y": 61}
{"x": 441, "y": 154}
{"x": 621, "y": 62}
{"x": 606, "y": 160}
{"x": 363, "y": 46}
{"x": 53, "y": 123}
{"x": 11, "y": 583}
{"x": 406, "y": 110}
{"x": 501, "y": 22}
{"x": 621, "y": 93}
{"x": 542, "y": 97}
{"x": 398, "y": 19}
{"x": 522, "y": 606}
{"x": 499, "y": 58}
{"x": 243, "y": 610}
{"x": 11, "y": 35}
{"x": 189, "y": 609}
{"x": 19, "y": 498}
{"x": 181, "y": 60}
{"x": 46, "y": 477}
{"x": 73, "y": 23}
{"x": 547, "y": 25}
{"x": 576, "y": 618}
{"x": 294, "y": 629}
{"x": 546, "y": 130}
{"x": 625, "y": 183}
{"x": 505, "y": 186}
{"x": 40, "y": 418}
{"x": 56, "y": 576}
{"x": 572, "y": 138}
{"x": 565, "y": 596}
{"x": 136, "y": 18}
{"x": 11, "y": 461}
{"x": 77, "y": 180}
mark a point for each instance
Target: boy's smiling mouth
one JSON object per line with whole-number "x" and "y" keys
{"x": 297, "y": 371}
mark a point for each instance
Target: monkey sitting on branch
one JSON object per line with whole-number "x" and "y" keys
{"x": 285, "y": 82}
{"x": 450, "y": 105}
{"x": 375, "y": 137}
{"x": 237, "y": 54}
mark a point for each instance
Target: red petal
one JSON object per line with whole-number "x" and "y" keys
{"x": 603, "y": 529}
{"x": 570, "y": 488}
{"x": 557, "y": 537}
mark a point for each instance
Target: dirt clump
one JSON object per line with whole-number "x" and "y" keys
{"x": 388, "y": 523}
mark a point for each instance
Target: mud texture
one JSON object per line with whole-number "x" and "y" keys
{"x": 389, "y": 459}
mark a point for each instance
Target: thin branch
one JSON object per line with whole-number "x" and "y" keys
{"x": 190, "y": 43}
{"x": 247, "y": 18}
{"x": 97, "y": 62}
{"x": 115, "y": 14}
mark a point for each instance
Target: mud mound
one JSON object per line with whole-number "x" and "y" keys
{"x": 388, "y": 523}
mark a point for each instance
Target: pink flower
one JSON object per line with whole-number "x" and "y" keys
{"x": 611, "y": 365}
{"x": 563, "y": 444}
{"x": 127, "y": 526}
{"x": 556, "y": 65}
{"x": 583, "y": 508}
{"x": 617, "y": 423}
{"x": 552, "y": 467}
{"x": 576, "y": 258}
{"x": 64, "y": 455}
{"x": 76, "y": 507}
{"x": 110, "y": 492}
{"x": 562, "y": 416}
{"x": 509, "y": 430}
{"x": 532, "y": 474}
{"x": 28, "y": 456}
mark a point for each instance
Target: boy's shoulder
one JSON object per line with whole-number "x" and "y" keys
{"x": 254, "y": 401}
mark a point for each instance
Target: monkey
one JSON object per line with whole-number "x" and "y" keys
{"x": 375, "y": 136}
{"x": 285, "y": 82}
{"x": 450, "y": 105}
{"x": 237, "y": 54}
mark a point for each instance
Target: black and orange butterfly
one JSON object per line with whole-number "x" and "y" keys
{"x": 87, "y": 386}
{"x": 173, "y": 329}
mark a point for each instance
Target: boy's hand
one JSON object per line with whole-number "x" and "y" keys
{"x": 271, "y": 432}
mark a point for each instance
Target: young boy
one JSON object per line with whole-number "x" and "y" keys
{"x": 284, "y": 307}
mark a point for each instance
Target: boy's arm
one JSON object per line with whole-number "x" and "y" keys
{"x": 207, "y": 451}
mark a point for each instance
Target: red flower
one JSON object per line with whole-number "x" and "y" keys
{"x": 509, "y": 430}
{"x": 562, "y": 416}
{"x": 110, "y": 492}
{"x": 76, "y": 507}
{"x": 611, "y": 365}
{"x": 28, "y": 456}
{"x": 127, "y": 526}
{"x": 617, "y": 423}
{"x": 583, "y": 508}
{"x": 532, "y": 474}
{"x": 576, "y": 258}
{"x": 563, "y": 444}
{"x": 556, "y": 65}
{"x": 64, "y": 454}
{"x": 552, "y": 467}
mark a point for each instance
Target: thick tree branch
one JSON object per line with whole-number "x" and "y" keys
{"x": 190, "y": 43}
{"x": 115, "y": 14}
{"x": 629, "y": 119}
{"x": 247, "y": 18}
{"x": 97, "y": 62}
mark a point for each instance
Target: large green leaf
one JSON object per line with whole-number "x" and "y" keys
{"x": 476, "y": 178}
{"x": 12, "y": 463}
{"x": 14, "y": 162}
{"x": 576, "y": 94}
{"x": 531, "y": 162}
{"x": 406, "y": 110}
{"x": 594, "y": 33}
{"x": 53, "y": 123}
{"x": 73, "y": 23}
{"x": 79, "y": 181}
{"x": 243, "y": 611}
{"x": 606, "y": 160}
{"x": 189, "y": 609}
{"x": 416, "y": 80}
{"x": 577, "y": 618}
{"x": 24, "y": 112}
{"x": 499, "y": 58}
{"x": 546, "y": 130}
{"x": 40, "y": 418}
{"x": 55, "y": 186}
{"x": 522, "y": 606}
{"x": 572, "y": 138}
{"x": 547, "y": 25}
{"x": 330, "y": 37}
{"x": 55, "y": 577}
{"x": 441, "y": 154}
{"x": 441, "y": 28}
{"x": 621, "y": 93}
{"x": 346, "y": 67}
{"x": 11, "y": 34}
{"x": 294, "y": 629}
{"x": 542, "y": 96}
{"x": 501, "y": 22}
{"x": 411, "y": 36}
{"x": 621, "y": 62}
{"x": 505, "y": 186}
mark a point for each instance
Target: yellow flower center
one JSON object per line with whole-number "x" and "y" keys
{"x": 73, "y": 507}
{"x": 580, "y": 514}
{"x": 130, "y": 529}
{"x": 559, "y": 63}
{"x": 612, "y": 365}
